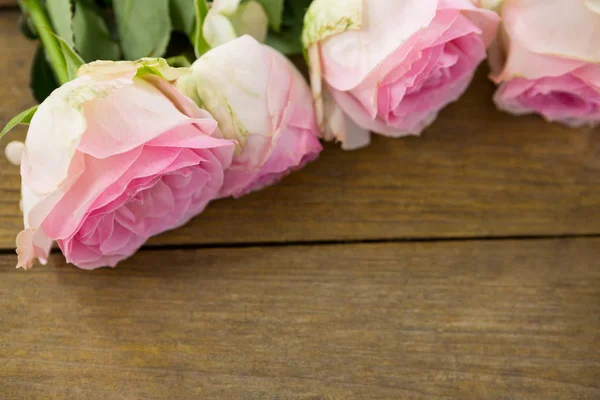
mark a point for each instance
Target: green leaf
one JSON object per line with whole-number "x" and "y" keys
{"x": 23, "y": 118}
{"x": 61, "y": 15}
{"x": 144, "y": 27}
{"x": 287, "y": 42}
{"x": 43, "y": 81}
{"x": 289, "y": 39}
{"x": 92, "y": 37}
{"x": 297, "y": 8}
{"x": 72, "y": 60}
{"x": 274, "y": 9}
{"x": 200, "y": 45}
{"x": 183, "y": 15}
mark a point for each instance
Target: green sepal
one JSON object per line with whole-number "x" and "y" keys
{"x": 159, "y": 67}
{"x": 180, "y": 61}
{"x": 326, "y": 18}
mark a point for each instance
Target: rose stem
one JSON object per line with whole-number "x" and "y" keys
{"x": 44, "y": 28}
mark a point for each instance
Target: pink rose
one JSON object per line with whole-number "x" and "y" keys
{"x": 391, "y": 66}
{"x": 113, "y": 158}
{"x": 551, "y": 63}
{"x": 262, "y": 101}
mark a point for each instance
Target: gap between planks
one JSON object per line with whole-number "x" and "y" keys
{"x": 327, "y": 243}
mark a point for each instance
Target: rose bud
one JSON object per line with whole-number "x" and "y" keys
{"x": 262, "y": 101}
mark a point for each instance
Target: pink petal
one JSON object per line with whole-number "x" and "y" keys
{"x": 126, "y": 119}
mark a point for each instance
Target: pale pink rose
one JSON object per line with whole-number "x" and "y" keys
{"x": 262, "y": 101}
{"x": 113, "y": 158}
{"x": 551, "y": 63}
{"x": 391, "y": 66}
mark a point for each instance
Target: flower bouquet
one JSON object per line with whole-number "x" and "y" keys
{"x": 149, "y": 110}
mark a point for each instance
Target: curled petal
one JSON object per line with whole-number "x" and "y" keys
{"x": 343, "y": 129}
{"x": 32, "y": 244}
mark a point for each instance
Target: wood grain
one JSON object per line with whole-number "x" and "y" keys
{"x": 453, "y": 320}
{"x": 475, "y": 173}
{"x": 8, "y": 3}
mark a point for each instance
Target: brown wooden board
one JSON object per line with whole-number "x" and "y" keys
{"x": 453, "y": 320}
{"x": 475, "y": 173}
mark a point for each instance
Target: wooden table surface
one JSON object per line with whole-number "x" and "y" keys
{"x": 464, "y": 264}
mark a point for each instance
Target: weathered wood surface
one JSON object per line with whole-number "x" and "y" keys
{"x": 476, "y": 172}
{"x": 453, "y": 320}
{"x": 491, "y": 319}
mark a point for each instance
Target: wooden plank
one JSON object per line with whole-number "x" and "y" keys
{"x": 8, "y": 3}
{"x": 465, "y": 320}
{"x": 476, "y": 172}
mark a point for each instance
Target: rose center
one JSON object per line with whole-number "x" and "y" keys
{"x": 437, "y": 78}
{"x": 567, "y": 99}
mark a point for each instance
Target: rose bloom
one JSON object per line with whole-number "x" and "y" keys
{"x": 262, "y": 101}
{"x": 391, "y": 66}
{"x": 550, "y": 60}
{"x": 113, "y": 158}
